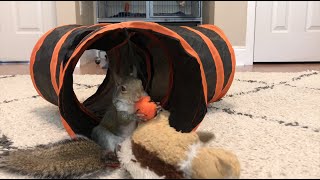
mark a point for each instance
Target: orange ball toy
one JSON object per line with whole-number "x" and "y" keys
{"x": 147, "y": 107}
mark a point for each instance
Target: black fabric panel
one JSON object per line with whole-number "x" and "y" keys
{"x": 160, "y": 69}
{"x": 201, "y": 48}
{"x": 143, "y": 51}
{"x": 223, "y": 50}
{"x": 70, "y": 44}
{"x": 108, "y": 40}
{"x": 41, "y": 66}
{"x": 99, "y": 101}
{"x": 139, "y": 60}
{"x": 93, "y": 32}
{"x": 186, "y": 102}
{"x": 130, "y": 55}
{"x": 79, "y": 121}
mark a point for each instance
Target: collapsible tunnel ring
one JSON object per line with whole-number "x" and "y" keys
{"x": 200, "y": 66}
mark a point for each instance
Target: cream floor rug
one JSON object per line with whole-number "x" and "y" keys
{"x": 271, "y": 121}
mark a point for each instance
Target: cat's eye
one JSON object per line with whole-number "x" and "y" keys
{"x": 123, "y": 88}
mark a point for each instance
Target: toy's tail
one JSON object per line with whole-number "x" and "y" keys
{"x": 65, "y": 159}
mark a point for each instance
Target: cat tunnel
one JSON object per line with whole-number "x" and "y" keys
{"x": 185, "y": 68}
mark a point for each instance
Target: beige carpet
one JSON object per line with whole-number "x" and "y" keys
{"x": 270, "y": 120}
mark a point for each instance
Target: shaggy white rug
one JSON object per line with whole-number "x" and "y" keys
{"x": 271, "y": 121}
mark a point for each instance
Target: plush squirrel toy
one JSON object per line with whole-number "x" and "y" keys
{"x": 173, "y": 154}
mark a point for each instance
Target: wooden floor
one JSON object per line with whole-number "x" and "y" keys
{"x": 92, "y": 68}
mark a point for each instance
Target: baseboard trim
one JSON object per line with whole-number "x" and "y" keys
{"x": 286, "y": 61}
{"x": 243, "y": 56}
{"x": 14, "y": 62}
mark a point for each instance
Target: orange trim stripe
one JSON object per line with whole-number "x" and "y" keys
{"x": 84, "y": 109}
{"x": 54, "y": 59}
{"x": 60, "y": 79}
{"x": 141, "y": 25}
{"x": 123, "y": 43}
{"x": 68, "y": 128}
{"x": 89, "y": 113}
{"x": 217, "y": 61}
{"x": 33, "y": 57}
{"x": 195, "y": 129}
{"x": 233, "y": 58}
